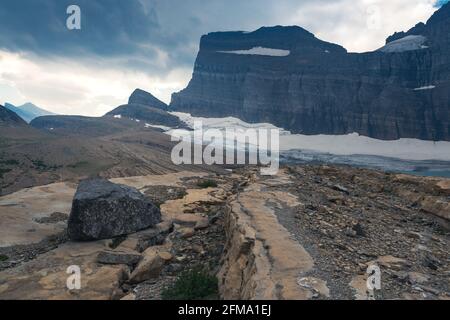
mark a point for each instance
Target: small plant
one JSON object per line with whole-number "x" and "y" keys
{"x": 3, "y": 258}
{"x": 204, "y": 184}
{"x": 194, "y": 284}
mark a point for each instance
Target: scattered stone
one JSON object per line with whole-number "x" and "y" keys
{"x": 199, "y": 249}
{"x": 153, "y": 236}
{"x": 413, "y": 235}
{"x": 417, "y": 278}
{"x": 350, "y": 232}
{"x": 359, "y": 230}
{"x": 317, "y": 285}
{"x": 103, "y": 210}
{"x": 113, "y": 257}
{"x": 150, "y": 266}
{"x": 340, "y": 188}
{"x": 129, "y": 297}
{"x": 188, "y": 219}
{"x": 53, "y": 218}
{"x": 391, "y": 262}
{"x": 202, "y": 224}
{"x": 213, "y": 219}
{"x": 174, "y": 268}
{"x": 186, "y": 232}
{"x": 401, "y": 275}
{"x": 166, "y": 256}
{"x": 431, "y": 290}
{"x": 337, "y": 199}
{"x": 431, "y": 262}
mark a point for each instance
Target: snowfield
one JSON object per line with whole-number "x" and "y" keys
{"x": 346, "y": 145}
{"x": 354, "y": 144}
{"x": 261, "y": 51}
{"x": 407, "y": 43}
{"x": 223, "y": 123}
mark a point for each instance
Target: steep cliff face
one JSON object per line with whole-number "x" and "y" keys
{"x": 288, "y": 77}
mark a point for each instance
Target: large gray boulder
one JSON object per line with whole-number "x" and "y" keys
{"x": 103, "y": 210}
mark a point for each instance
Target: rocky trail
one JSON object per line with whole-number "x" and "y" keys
{"x": 308, "y": 233}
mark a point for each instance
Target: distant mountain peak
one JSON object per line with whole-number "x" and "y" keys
{"x": 145, "y": 98}
{"x": 9, "y": 118}
{"x": 28, "y": 111}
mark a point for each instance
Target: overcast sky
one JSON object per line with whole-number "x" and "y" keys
{"x": 152, "y": 44}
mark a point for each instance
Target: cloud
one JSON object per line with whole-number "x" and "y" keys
{"x": 152, "y": 44}
{"x": 78, "y": 87}
{"x": 361, "y": 25}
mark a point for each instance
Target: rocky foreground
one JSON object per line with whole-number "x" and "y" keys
{"x": 308, "y": 233}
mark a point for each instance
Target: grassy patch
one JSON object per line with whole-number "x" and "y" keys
{"x": 3, "y": 258}
{"x": 195, "y": 284}
{"x": 204, "y": 184}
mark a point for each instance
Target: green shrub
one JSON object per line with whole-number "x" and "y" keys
{"x": 207, "y": 184}
{"x": 195, "y": 284}
{"x": 3, "y": 258}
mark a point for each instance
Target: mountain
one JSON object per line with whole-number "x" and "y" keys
{"x": 143, "y": 111}
{"x": 288, "y": 77}
{"x": 28, "y": 111}
{"x": 10, "y": 119}
{"x": 147, "y": 99}
{"x": 144, "y": 107}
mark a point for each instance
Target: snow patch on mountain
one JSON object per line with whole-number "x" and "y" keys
{"x": 407, "y": 43}
{"x": 164, "y": 128}
{"x": 425, "y": 88}
{"x": 261, "y": 51}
